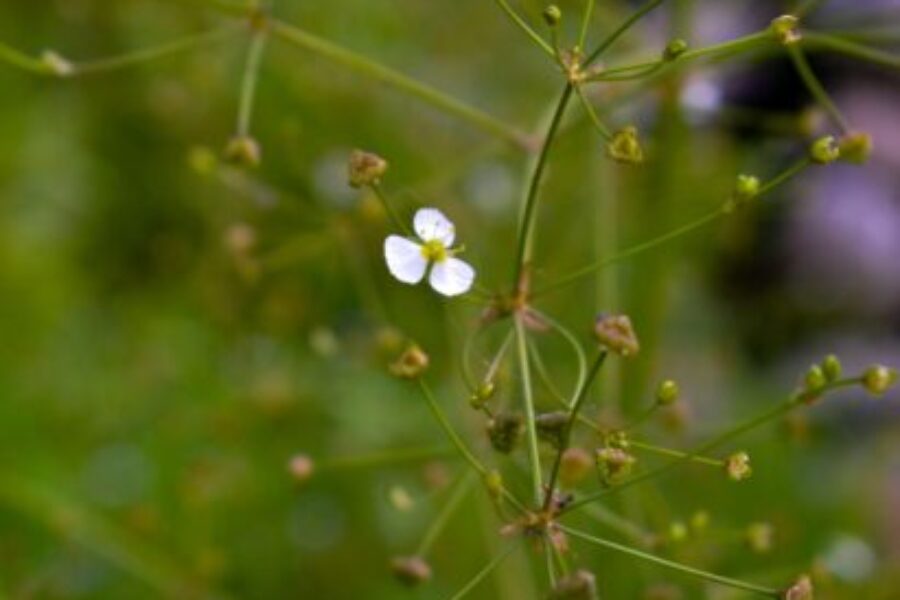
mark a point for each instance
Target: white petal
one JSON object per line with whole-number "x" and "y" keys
{"x": 452, "y": 277}
{"x": 431, "y": 224}
{"x": 404, "y": 259}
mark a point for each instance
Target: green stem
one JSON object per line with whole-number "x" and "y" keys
{"x": 391, "y": 211}
{"x": 675, "y": 566}
{"x": 364, "y": 65}
{"x": 621, "y": 29}
{"x": 526, "y": 229}
{"x": 592, "y": 114}
{"x": 617, "y": 523}
{"x": 784, "y": 176}
{"x": 580, "y": 358}
{"x": 703, "y": 460}
{"x": 521, "y": 24}
{"x": 103, "y": 65}
{"x": 248, "y": 82}
{"x": 852, "y": 49}
{"x": 814, "y": 86}
{"x": 20, "y": 60}
{"x": 570, "y": 423}
{"x": 463, "y": 487}
{"x": 528, "y": 400}
{"x": 794, "y": 401}
{"x": 483, "y": 573}
{"x": 586, "y": 22}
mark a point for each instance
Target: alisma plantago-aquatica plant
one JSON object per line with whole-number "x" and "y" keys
{"x": 426, "y": 247}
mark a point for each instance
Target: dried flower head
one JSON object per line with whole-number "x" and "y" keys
{"x": 301, "y": 467}
{"x": 505, "y": 430}
{"x": 411, "y": 570}
{"x": 737, "y": 466}
{"x": 365, "y": 168}
{"x": 575, "y": 465}
{"x": 580, "y": 585}
{"x": 616, "y": 333}
{"x": 625, "y": 147}
{"x": 551, "y": 426}
{"x": 244, "y": 151}
{"x": 411, "y": 364}
{"x": 786, "y": 29}
{"x": 614, "y": 465}
{"x": 802, "y": 589}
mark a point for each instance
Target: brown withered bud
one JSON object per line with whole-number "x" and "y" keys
{"x": 616, "y": 333}
{"x": 301, "y": 467}
{"x": 614, "y": 465}
{"x": 737, "y": 466}
{"x": 802, "y": 589}
{"x": 244, "y": 151}
{"x": 365, "y": 168}
{"x": 551, "y": 426}
{"x": 580, "y": 585}
{"x": 411, "y": 364}
{"x": 575, "y": 465}
{"x": 411, "y": 570}
{"x": 505, "y": 430}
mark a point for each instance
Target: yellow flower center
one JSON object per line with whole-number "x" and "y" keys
{"x": 434, "y": 250}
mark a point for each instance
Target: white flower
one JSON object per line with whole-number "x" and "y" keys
{"x": 408, "y": 260}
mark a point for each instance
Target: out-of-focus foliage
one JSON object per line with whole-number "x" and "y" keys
{"x": 175, "y": 329}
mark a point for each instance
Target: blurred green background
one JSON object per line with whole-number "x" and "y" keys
{"x": 174, "y": 329}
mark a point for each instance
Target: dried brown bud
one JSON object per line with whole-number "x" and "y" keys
{"x": 575, "y": 465}
{"x": 365, "y": 168}
{"x": 301, "y": 468}
{"x": 802, "y": 589}
{"x": 737, "y": 466}
{"x": 580, "y": 585}
{"x": 411, "y": 570}
{"x": 551, "y": 427}
{"x": 616, "y": 333}
{"x": 505, "y": 430}
{"x": 243, "y": 150}
{"x": 614, "y": 465}
{"x": 411, "y": 364}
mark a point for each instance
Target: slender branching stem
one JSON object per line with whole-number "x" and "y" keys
{"x": 525, "y": 27}
{"x": 797, "y": 399}
{"x": 370, "y": 68}
{"x": 703, "y": 460}
{"x": 391, "y": 210}
{"x": 249, "y": 81}
{"x": 602, "y": 129}
{"x": 670, "y": 564}
{"x": 815, "y": 87}
{"x": 566, "y": 437}
{"x": 534, "y": 456}
{"x": 586, "y": 22}
{"x": 617, "y": 523}
{"x": 852, "y": 49}
{"x": 459, "y": 493}
{"x": 580, "y": 358}
{"x": 785, "y": 175}
{"x": 484, "y": 572}
{"x": 621, "y": 29}
{"x": 20, "y": 60}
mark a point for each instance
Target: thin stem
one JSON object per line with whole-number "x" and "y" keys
{"x": 548, "y": 559}
{"x": 566, "y": 437}
{"x": 544, "y": 374}
{"x": 642, "y": 418}
{"x": 785, "y": 175}
{"x": 621, "y": 29}
{"x": 413, "y": 87}
{"x": 778, "y": 410}
{"x": 852, "y": 49}
{"x": 457, "y": 441}
{"x": 384, "y": 457}
{"x": 703, "y": 460}
{"x": 592, "y": 114}
{"x": 526, "y": 228}
{"x": 814, "y": 86}
{"x": 586, "y": 22}
{"x": 248, "y": 82}
{"x": 390, "y": 210}
{"x": 483, "y": 573}
{"x": 20, "y": 60}
{"x": 580, "y": 358}
{"x": 528, "y": 400}
{"x": 617, "y": 523}
{"x": 521, "y": 24}
{"x": 463, "y": 487}
{"x": 675, "y": 566}
{"x": 103, "y": 65}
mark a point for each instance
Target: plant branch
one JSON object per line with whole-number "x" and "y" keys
{"x": 528, "y": 400}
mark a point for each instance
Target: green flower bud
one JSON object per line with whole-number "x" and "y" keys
{"x": 667, "y": 392}
{"x": 746, "y": 188}
{"x": 824, "y": 150}
{"x": 614, "y": 465}
{"x": 244, "y": 151}
{"x": 616, "y": 333}
{"x": 54, "y": 64}
{"x": 674, "y": 49}
{"x": 815, "y": 379}
{"x": 411, "y": 364}
{"x": 493, "y": 482}
{"x": 855, "y": 147}
{"x": 678, "y": 531}
{"x": 758, "y": 537}
{"x": 802, "y": 589}
{"x": 737, "y": 466}
{"x": 480, "y": 397}
{"x": 831, "y": 367}
{"x": 551, "y": 427}
{"x": 505, "y": 430}
{"x": 878, "y": 379}
{"x": 552, "y": 15}
{"x": 785, "y": 30}
{"x": 411, "y": 570}
{"x": 365, "y": 169}
{"x": 580, "y": 585}
{"x": 624, "y": 147}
